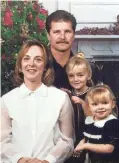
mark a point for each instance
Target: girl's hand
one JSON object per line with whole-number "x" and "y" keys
{"x": 77, "y": 100}
{"x": 79, "y": 148}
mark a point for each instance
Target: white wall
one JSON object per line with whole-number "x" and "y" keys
{"x": 50, "y": 5}
{"x": 88, "y": 13}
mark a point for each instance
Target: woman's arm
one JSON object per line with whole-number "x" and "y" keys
{"x": 64, "y": 133}
{"x": 7, "y": 150}
{"x": 5, "y": 126}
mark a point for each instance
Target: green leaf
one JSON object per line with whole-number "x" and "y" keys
{"x": 41, "y": 16}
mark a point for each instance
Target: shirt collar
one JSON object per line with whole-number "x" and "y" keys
{"x": 100, "y": 123}
{"x": 54, "y": 60}
{"x": 41, "y": 91}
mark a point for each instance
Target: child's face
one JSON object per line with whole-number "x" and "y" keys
{"x": 102, "y": 108}
{"x": 78, "y": 77}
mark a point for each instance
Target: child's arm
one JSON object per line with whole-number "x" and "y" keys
{"x": 98, "y": 148}
{"x": 78, "y": 100}
{"x": 78, "y": 146}
{"x": 81, "y": 142}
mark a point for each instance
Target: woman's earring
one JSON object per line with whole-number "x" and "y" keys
{"x": 20, "y": 70}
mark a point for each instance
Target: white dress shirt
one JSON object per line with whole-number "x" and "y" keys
{"x": 36, "y": 124}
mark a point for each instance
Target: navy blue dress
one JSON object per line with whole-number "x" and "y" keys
{"x": 105, "y": 131}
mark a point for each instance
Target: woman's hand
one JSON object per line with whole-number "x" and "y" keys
{"x": 31, "y": 160}
{"x": 23, "y": 160}
{"x": 44, "y": 161}
{"x": 34, "y": 160}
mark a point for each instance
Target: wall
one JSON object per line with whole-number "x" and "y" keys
{"x": 89, "y": 13}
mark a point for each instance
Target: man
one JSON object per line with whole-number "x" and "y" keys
{"x": 61, "y": 26}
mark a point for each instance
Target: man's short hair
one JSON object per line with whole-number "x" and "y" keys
{"x": 60, "y": 15}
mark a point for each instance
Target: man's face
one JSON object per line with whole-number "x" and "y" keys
{"x": 61, "y": 36}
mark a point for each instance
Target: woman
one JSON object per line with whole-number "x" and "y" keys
{"x": 36, "y": 117}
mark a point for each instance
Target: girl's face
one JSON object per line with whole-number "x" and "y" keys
{"x": 101, "y": 108}
{"x": 32, "y": 65}
{"x": 78, "y": 77}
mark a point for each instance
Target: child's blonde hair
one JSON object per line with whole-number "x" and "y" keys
{"x": 101, "y": 92}
{"x": 77, "y": 60}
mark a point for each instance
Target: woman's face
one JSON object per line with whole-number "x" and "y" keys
{"x": 32, "y": 65}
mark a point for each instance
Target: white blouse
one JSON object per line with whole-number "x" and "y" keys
{"x": 36, "y": 124}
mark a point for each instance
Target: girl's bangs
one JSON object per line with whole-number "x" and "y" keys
{"x": 98, "y": 97}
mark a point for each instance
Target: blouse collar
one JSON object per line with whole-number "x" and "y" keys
{"x": 100, "y": 123}
{"x": 41, "y": 91}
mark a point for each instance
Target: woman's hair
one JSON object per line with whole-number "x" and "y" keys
{"x": 101, "y": 93}
{"x": 78, "y": 60}
{"x": 48, "y": 75}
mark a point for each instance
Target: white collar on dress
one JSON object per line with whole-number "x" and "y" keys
{"x": 100, "y": 123}
{"x": 41, "y": 91}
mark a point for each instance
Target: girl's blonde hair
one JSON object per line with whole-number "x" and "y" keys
{"x": 48, "y": 75}
{"x": 101, "y": 92}
{"x": 77, "y": 60}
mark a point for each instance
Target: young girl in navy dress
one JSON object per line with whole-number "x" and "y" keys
{"x": 101, "y": 134}
{"x": 79, "y": 74}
